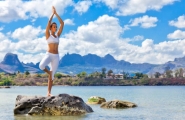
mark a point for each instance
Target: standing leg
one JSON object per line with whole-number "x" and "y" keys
{"x": 54, "y": 66}
{"x": 50, "y": 83}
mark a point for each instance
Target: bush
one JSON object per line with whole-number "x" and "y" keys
{"x": 27, "y": 82}
{"x": 19, "y": 75}
{"x": 38, "y": 75}
{"x": 44, "y": 75}
{"x": 58, "y": 75}
{"x": 1, "y": 83}
{"x": 6, "y": 82}
{"x": 145, "y": 81}
{"x": 26, "y": 73}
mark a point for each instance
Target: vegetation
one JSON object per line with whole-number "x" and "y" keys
{"x": 94, "y": 79}
{"x": 103, "y": 73}
{"x": 92, "y": 100}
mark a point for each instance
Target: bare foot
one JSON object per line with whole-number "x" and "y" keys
{"x": 49, "y": 94}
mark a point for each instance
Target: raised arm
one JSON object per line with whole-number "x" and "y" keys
{"x": 48, "y": 26}
{"x": 61, "y": 24}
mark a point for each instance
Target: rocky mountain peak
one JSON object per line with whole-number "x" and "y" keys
{"x": 11, "y": 59}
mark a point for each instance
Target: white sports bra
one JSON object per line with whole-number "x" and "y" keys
{"x": 52, "y": 39}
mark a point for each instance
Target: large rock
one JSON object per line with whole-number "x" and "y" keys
{"x": 118, "y": 104}
{"x": 96, "y": 100}
{"x": 63, "y": 104}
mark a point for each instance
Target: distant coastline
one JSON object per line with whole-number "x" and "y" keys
{"x": 80, "y": 80}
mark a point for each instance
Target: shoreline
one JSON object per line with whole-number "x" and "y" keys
{"x": 81, "y": 85}
{"x": 5, "y": 87}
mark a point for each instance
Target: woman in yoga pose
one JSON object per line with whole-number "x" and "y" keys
{"x": 52, "y": 55}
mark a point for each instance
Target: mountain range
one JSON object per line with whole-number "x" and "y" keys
{"x": 75, "y": 63}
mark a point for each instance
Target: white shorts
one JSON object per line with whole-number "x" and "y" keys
{"x": 50, "y": 58}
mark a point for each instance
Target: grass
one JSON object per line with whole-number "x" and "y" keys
{"x": 92, "y": 100}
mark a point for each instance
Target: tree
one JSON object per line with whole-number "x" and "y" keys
{"x": 157, "y": 74}
{"x": 138, "y": 75}
{"x": 169, "y": 74}
{"x": 110, "y": 72}
{"x": 145, "y": 76}
{"x": 125, "y": 75}
{"x": 177, "y": 73}
{"x": 58, "y": 75}
{"x": 83, "y": 74}
{"x": 91, "y": 75}
{"x": 103, "y": 72}
{"x": 27, "y": 73}
{"x": 123, "y": 72}
{"x": 79, "y": 75}
{"x": 181, "y": 72}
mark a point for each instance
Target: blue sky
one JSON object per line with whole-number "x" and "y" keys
{"x": 137, "y": 31}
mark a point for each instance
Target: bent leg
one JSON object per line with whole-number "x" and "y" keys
{"x": 44, "y": 62}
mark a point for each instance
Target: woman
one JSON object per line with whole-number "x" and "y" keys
{"x": 52, "y": 55}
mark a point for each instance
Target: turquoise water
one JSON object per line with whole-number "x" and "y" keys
{"x": 154, "y": 102}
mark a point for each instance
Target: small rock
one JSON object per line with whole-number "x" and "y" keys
{"x": 118, "y": 104}
{"x": 96, "y": 100}
{"x": 63, "y": 104}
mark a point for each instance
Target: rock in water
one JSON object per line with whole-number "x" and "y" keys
{"x": 96, "y": 100}
{"x": 118, "y": 104}
{"x": 63, "y": 104}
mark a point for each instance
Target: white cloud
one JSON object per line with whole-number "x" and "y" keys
{"x": 131, "y": 7}
{"x": 145, "y": 21}
{"x": 180, "y": 23}
{"x": 113, "y": 4}
{"x": 178, "y": 34}
{"x": 1, "y": 28}
{"x": 14, "y": 10}
{"x": 102, "y": 29}
{"x": 33, "y": 46}
{"x": 148, "y": 45}
{"x": 2, "y": 36}
{"x": 33, "y": 49}
{"x": 138, "y": 38}
{"x": 101, "y": 37}
{"x": 109, "y": 41}
{"x": 6, "y": 46}
{"x": 141, "y": 6}
{"x": 135, "y": 38}
{"x": 11, "y": 10}
{"x": 82, "y": 6}
{"x": 27, "y": 33}
{"x": 28, "y": 58}
{"x": 69, "y": 22}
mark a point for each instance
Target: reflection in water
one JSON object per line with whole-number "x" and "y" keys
{"x": 29, "y": 117}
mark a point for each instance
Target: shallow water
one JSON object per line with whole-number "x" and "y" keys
{"x": 154, "y": 102}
